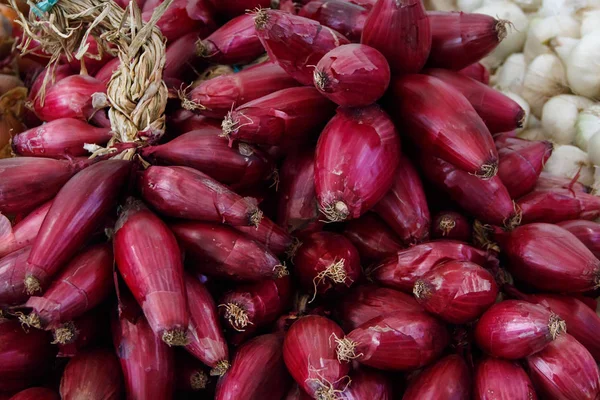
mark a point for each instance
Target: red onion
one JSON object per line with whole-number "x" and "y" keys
{"x": 25, "y": 356}
{"x": 366, "y": 302}
{"x": 476, "y": 71}
{"x": 520, "y": 165}
{"x": 149, "y": 259}
{"x": 250, "y": 307}
{"x": 588, "y": 232}
{"x": 61, "y": 138}
{"x": 270, "y": 234}
{"x": 13, "y": 238}
{"x": 451, "y": 225}
{"x": 404, "y": 269}
{"x": 310, "y": 356}
{"x": 549, "y": 181}
{"x": 147, "y": 362}
{"x": 373, "y": 239}
{"x": 515, "y": 329}
{"x": 190, "y": 375}
{"x": 345, "y": 188}
{"x": 398, "y": 341}
{"x": 12, "y": 277}
{"x": 296, "y": 43}
{"x": 223, "y": 252}
{"x": 238, "y": 166}
{"x": 326, "y": 262}
{"x": 207, "y": 343}
{"x": 401, "y": 30}
{"x": 497, "y": 379}
{"x": 499, "y": 112}
{"x": 77, "y": 211}
{"x": 94, "y": 374}
{"x": 456, "y": 291}
{"x": 368, "y": 384}
{"x": 181, "y": 17}
{"x": 105, "y": 73}
{"x": 548, "y": 257}
{"x": 244, "y": 381}
{"x": 280, "y": 118}
{"x": 237, "y": 7}
{"x": 217, "y": 96}
{"x": 447, "y": 379}
{"x": 404, "y": 207}
{"x": 343, "y": 16}
{"x": 557, "y": 205}
{"x": 448, "y": 127}
{"x": 460, "y": 39}
{"x": 94, "y": 59}
{"x": 487, "y": 200}
{"x": 295, "y": 392}
{"x": 90, "y": 328}
{"x": 51, "y": 77}
{"x": 81, "y": 285}
{"x": 352, "y": 75}
{"x": 179, "y": 59}
{"x": 184, "y": 192}
{"x": 71, "y": 97}
{"x": 565, "y": 370}
{"x": 236, "y": 42}
{"x": 27, "y": 182}
{"x": 37, "y": 393}
{"x": 182, "y": 121}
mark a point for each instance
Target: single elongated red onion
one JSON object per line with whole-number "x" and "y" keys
{"x": 190, "y": 374}
{"x": 93, "y": 374}
{"x": 557, "y": 205}
{"x": 81, "y": 285}
{"x": 148, "y": 363}
{"x": 179, "y": 58}
{"x": 223, "y": 252}
{"x": 366, "y": 302}
{"x": 456, "y": 291}
{"x": 184, "y": 192}
{"x": 235, "y": 42}
{"x": 343, "y": 16}
{"x": 326, "y": 261}
{"x": 565, "y": 370}
{"x": 515, "y": 329}
{"x": 182, "y": 17}
{"x": 401, "y": 30}
{"x": 27, "y": 182}
{"x": 486, "y": 199}
{"x": 498, "y": 379}
{"x": 460, "y": 39}
{"x": 60, "y": 138}
{"x": 217, "y": 96}
{"x": 280, "y": 118}
{"x": 13, "y": 238}
{"x": 373, "y": 239}
{"x": 404, "y": 269}
{"x": 71, "y": 97}
{"x": 588, "y": 232}
{"x": 309, "y": 352}
{"x": 244, "y": 381}
{"x": 368, "y": 384}
{"x": 207, "y": 343}
{"x": 399, "y": 341}
{"x": 77, "y": 211}
{"x": 36, "y": 393}
{"x": 295, "y": 43}
{"x": 270, "y": 234}
{"x": 240, "y": 165}
{"x": 238, "y": 7}
{"x": 25, "y": 356}
{"x": 451, "y": 225}
{"x": 499, "y": 112}
{"x": 548, "y": 257}
{"x": 352, "y": 75}
{"x": 13, "y": 268}
{"x": 447, "y": 127}
{"x": 521, "y": 164}
{"x": 549, "y": 181}
{"x": 448, "y": 378}
{"x": 149, "y": 259}
{"x": 345, "y": 188}
{"x": 476, "y": 71}
{"x": 404, "y": 206}
{"x": 51, "y": 78}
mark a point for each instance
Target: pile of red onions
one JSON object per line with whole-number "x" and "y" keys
{"x": 327, "y": 216}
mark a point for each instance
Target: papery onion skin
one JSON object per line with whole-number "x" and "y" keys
{"x": 588, "y": 232}
{"x": 551, "y": 258}
{"x": 515, "y": 329}
{"x": 345, "y": 17}
{"x": 310, "y": 357}
{"x": 368, "y": 384}
{"x": 401, "y": 31}
{"x": 476, "y": 71}
{"x": 449, "y": 379}
{"x": 557, "y": 205}
{"x": 23, "y": 233}
{"x": 345, "y": 189}
{"x": 373, "y": 239}
{"x": 243, "y": 381}
{"x": 94, "y": 374}
{"x": 565, "y": 370}
{"x": 37, "y": 393}
{"x": 498, "y": 379}
{"x": 13, "y": 268}
{"x": 448, "y": 128}
{"x": 452, "y": 226}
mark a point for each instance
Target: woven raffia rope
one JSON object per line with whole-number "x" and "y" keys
{"x": 136, "y": 92}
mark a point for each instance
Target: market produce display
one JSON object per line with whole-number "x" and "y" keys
{"x": 310, "y": 199}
